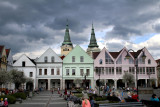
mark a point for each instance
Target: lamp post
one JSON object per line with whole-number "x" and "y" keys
{"x": 148, "y": 73}
{"x": 135, "y": 64}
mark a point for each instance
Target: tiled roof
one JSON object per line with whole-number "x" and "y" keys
{"x": 62, "y": 57}
{"x": 1, "y": 48}
{"x": 7, "y": 52}
{"x": 95, "y": 54}
{"x": 114, "y": 54}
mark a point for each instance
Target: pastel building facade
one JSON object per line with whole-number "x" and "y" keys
{"x": 76, "y": 65}
{"x": 49, "y": 71}
{"x": 111, "y": 66}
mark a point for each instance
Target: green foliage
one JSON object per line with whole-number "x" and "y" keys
{"x": 11, "y": 99}
{"x": 21, "y": 95}
{"x": 99, "y": 98}
{"x": 80, "y": 90}
{"x": 17, "y": 77}
{"x": 79, "y": 95}
{"x": 128, "y": 78}
{"x": 4, "y": 77}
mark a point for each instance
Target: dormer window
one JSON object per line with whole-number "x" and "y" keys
{"x": 52, "y": 59}
{"x": 149, "y": 61}
{"x": 45, "y": 59}
{"x": 23, "y": 64}
{"x": 100, "y": 61}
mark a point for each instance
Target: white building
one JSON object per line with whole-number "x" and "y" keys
{"x": 27, "y": 65}
{"x": 49, "y": 71}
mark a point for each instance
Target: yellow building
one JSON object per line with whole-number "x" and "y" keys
{"x": 3, "y": 59}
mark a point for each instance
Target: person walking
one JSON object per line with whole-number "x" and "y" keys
{"x": 85, "y": 101}
{"x": 91, "y": 101}
{"x": 5, "y": 103}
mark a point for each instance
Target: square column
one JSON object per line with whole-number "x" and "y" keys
{"x": 36, "y": 84}
{"x": 115, "y": 84}
{"x": 61, "y": 84}
{"x": 49, "y": 84}
{"x": 63, "y": 87}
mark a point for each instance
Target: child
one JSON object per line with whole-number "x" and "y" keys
{"x": 2, "y": 102}
{"x": 5, "y": 103}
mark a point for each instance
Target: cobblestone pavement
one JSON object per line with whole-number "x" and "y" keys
{"x": 43, "y": 99}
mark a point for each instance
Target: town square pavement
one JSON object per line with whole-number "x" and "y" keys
{"x": 43, "y": 99}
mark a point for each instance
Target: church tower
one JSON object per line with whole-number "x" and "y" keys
{"x": 92, "y": 47}
{"x": 67, "y": 44}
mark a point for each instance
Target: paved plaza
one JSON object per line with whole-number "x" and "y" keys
{"x": 43, "y": 99}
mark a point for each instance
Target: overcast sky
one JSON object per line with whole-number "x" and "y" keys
{"x": 32, "y": 26}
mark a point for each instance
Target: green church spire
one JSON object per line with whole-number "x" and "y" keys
{"x": 67, "y": 40}
{"x": 93, "y": 41}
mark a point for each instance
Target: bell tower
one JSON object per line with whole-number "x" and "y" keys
{"x": 66, "y": 46}
{"x": 92, "y": 47}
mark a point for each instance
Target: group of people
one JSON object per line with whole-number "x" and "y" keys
{"x": 4, "y": 103}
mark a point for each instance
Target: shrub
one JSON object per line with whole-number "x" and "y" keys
{"x": 11, "y": 99}
{"x": 21, "y": 95}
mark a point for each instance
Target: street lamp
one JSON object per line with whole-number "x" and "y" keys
{"x": 135, "y": 63}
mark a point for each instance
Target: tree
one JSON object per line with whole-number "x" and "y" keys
{"x": 128, "y": 78}
{"x": 17, "y": 77}
{"x": 3, "y": 77}
{"x": 77, "y": 81}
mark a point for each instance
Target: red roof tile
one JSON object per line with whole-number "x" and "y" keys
{"x": 62, "y": 57}
{"x": 114, "y": 54}
{"x": 7, "y": 52}
{"x": 95, "y": 54}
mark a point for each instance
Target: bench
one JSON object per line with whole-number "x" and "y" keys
{"x": 126, "y": 104}
{"x": 149, "y": 103}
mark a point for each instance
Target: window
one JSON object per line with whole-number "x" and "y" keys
{"x": 81, "y": 59}
{"x": 150, "y": 70}
{"x": 149, "y": 61}
{"x": 131, "y": 60}
{"x": 52, "y": 71}
{"x": 141, "y": 60}
{"x": 31, "y": 74}
{"x": 45, "y": 71}
{"x": 81, "y": 72}
{"x": 45, "y": 59}
{"x": 109, "y": 70}
{"x": 88, "y": 72}
{"x": 100, "y": 61}
{"x": 108, "y": 59}
{"x": 73, "y": 72}
{"x": 73, "y": 58}
{"x": 23, "y": 64}
{"x": 131, "y": 70}
{"x": 52, "y": 59}
{"x": 119, "y": 61}
{"x": 118, "y": 70}
{"x": 58, "y": 73}
{"x": 67, "y": 71}
{"x": 40, "y": 71}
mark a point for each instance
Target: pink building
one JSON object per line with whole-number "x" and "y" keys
{"x": 113, "y": 65}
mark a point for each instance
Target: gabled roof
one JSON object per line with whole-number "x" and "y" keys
{"x": 32, "y": 60}
{"x": 95, "y": 54}
{"x": 7, "y": 52}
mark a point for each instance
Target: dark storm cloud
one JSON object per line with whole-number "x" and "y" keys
{"x": 43, "y": 21}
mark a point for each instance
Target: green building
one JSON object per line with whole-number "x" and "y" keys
{"x": 78, "y": 65}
